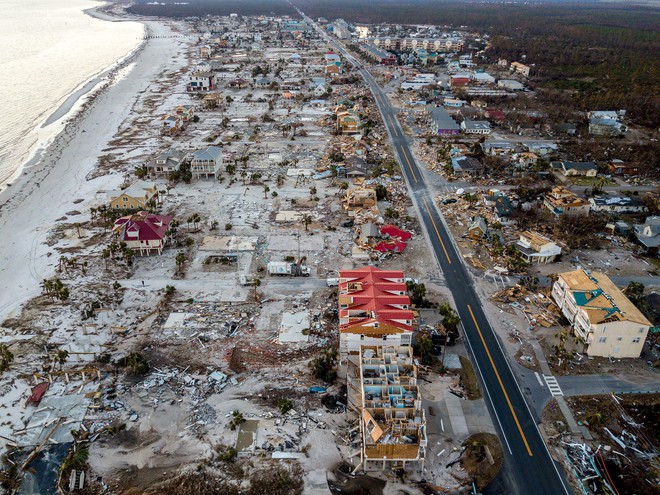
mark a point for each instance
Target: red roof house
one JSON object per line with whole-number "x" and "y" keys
{"x": 459, "y": 81}
{"x": 494, "y": 114}
{"x": 373, "y": 307}
{"x": 143, "y": 232}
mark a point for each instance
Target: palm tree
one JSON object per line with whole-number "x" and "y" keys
{"x": 425, "y": 347}
{"x": 266, "y": 189}
{"x": 61, "y": 357}
{"x": 306, "y": 220}
{"x": 47, "y": 286}
{"x": 106, "y": 256}
{"x": 6, "y": 357}
{"x": 451, "y": 322}
{"x": 180, "y": 260}
{"x": 445, "y": 309}
{"x": 255, "y": 283}
{"x": 195, "y": 219}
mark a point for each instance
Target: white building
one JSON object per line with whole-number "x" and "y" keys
{"x": 510, "y": 84}
{"x": 206, "y": 162}
{"x": 476, "y": 126}
{"x": 606, "y": 321}
{"x": 362, "y": 31}
{"x": 618, "y": 204}
{"x": 536, "y": 248}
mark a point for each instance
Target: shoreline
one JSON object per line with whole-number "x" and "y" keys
{"x": 44, "y": 194}
{"x": 72, "y": 108}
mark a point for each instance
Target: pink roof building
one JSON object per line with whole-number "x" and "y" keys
{"x": 143, "y": 232}
{"x": 373, "y": 307}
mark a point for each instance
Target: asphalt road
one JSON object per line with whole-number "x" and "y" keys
{"x": 529, "y": 469}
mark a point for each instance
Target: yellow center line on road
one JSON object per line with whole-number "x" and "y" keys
{"x": 405, "y": 155}
{"x": 499, "y": 379}
{"x": 393, "y": 126}
{"x": 437, "y": 232}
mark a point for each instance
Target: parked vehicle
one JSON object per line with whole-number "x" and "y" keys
{"x": 294, "y": 269}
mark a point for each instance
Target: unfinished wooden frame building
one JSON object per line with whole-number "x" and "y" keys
{"x": 382, "y": 389}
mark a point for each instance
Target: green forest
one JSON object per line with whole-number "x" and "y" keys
{"x": 605, "y": 55}
{"x": 595, "y": 56}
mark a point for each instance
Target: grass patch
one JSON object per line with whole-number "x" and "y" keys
{"x": 592, "y": 181}
{"x": 469, "y": 379}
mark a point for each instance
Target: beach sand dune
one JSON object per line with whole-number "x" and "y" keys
{"x": 46, "y": 190}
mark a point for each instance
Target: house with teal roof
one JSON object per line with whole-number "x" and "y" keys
{"x": 603, "y": 319}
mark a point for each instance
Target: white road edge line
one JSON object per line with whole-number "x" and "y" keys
{"x": 506, "y": 440}
{"x": 451, "y": 237}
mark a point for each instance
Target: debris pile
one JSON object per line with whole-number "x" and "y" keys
{"x": 536, "y": 307}
{"x": 590, "y": 466}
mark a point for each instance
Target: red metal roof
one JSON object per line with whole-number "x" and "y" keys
{"x": 386, "y": 246}
{"x": 394, "y": 231}
{"x": 148, "y": 227}
{"x": 377, "y": 294}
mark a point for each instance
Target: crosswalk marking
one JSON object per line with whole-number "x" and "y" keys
{"x": 553, "y": 386}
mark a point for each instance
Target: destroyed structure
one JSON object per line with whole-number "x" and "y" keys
{"x": 382, "y": 389}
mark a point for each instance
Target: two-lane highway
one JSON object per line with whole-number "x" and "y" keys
{"x": 529, "y": 469}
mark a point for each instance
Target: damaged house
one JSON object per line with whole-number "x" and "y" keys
{"x": 382, "y": 389}
{"x": 536, "y": 248}
{"x": 561, "y": 201}
{"x": 143, "y": 232}
{"x": 601, "y": 315}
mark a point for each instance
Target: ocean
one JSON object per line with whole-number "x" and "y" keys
{"x": 51, "y": 53}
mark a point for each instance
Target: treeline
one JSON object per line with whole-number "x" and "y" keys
{"x": 603, "y": 56}
{"x": 200, "y": 8}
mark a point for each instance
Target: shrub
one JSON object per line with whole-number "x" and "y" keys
{"x": 284, "y": 405}
{"x": 135, "y": 362}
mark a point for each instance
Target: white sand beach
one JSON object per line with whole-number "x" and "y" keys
{"x": 46, "y": 191}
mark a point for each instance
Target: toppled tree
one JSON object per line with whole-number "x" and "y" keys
{"x": 284, "y": 405}
{"x": 580, "y": 231}
{"x": 381, "y": 192}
